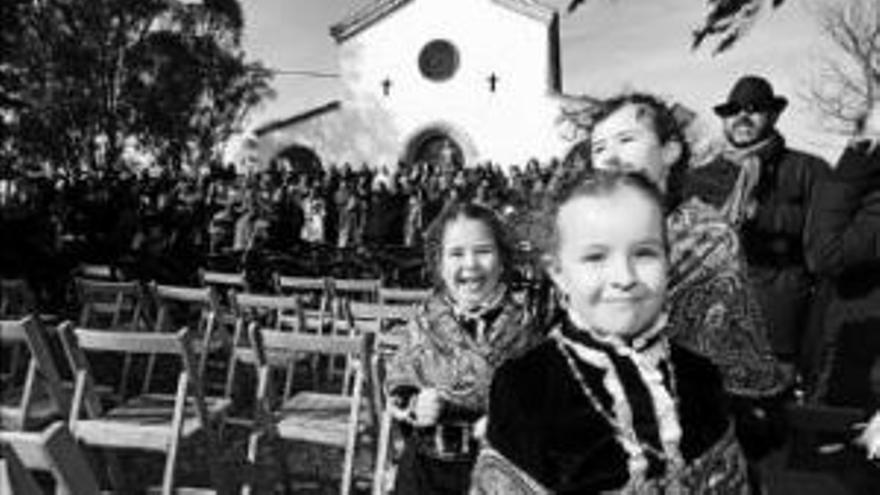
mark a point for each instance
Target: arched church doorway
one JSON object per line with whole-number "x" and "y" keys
{"x": 436, "y": 147}
{"x": 299, "y": 159}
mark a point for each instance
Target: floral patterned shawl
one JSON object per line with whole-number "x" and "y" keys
{"x": 714, "y": 311}
{"x": 438, "y": 351}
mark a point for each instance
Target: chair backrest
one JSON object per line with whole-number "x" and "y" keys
{"x": 198, "y": 303}
{"x": 16, "y": 298}
{"x": 355, "y": 289}
{"x": 53, "y": 450}
{"x": 42, "y": 366}
{"x": 264, "y": 339}
{"x": 224, "y": 284}
{"x": 90, "y": 339}
{"x": 368, "y": 316}
{"x": 250, "y": 305}
{"x": 314, "y": 292}
{"x": 97, "y": 271}
{"x": 396, "y": 296}
{"x": 236, "y": 281}
{"x": 109, "y": 304}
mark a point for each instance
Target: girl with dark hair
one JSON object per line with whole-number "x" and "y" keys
{"x": 714, "y": 310}
{"x": 607, "y": 404}
{"x": 438, "y": 382}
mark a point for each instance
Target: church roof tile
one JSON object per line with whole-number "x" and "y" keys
{"x": 376, "y": 10}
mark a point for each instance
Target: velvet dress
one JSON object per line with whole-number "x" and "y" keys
{"x": 580, "y": 415}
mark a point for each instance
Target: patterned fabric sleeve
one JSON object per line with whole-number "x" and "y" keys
{"x": 402, "y": 369}
{"x": 436, "y": 353}
{"x": 714, "y": 310}
{"x": 494, "y": 475}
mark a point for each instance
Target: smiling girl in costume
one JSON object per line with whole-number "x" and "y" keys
{"x": 607, "y": 404}
{"x": 439, "y": 380}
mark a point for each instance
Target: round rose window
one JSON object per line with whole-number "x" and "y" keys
{"x": 438, "y": 60}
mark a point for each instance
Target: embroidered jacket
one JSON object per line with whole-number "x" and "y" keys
{"x": 654, "y": 416}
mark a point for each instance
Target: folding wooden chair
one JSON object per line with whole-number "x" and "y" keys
{"x": 151, "y": 421}
{"x": 403, "y": 297}
{"x": 313, "y": 292}
{"x": 53, "y": 450}
{"x": 273, "y": 311}
{"x": 194, "y": 308}
{"x": 113, "y": 305}
{"x": 225, "y": 285}
{"x": 324, "y": 418}
{"x": 354, "y": 289}
{"x": 343, "y": 291}
{"x": 16, "y": 301}
{"x": 110, "y": 304}
{"x": 42, "y": 396}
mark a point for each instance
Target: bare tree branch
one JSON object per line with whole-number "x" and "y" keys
{"x": 847, "y": 81}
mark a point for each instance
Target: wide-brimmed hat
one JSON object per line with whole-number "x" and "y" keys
{"x": 753, "y": 93}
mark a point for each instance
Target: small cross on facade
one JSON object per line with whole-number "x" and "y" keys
{"x": 386, "y": 86}
{"x": 493, "y": 82}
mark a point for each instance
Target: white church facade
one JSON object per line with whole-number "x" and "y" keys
{"x": 463, "y": 80}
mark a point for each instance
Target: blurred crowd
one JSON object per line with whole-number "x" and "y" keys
{"x": 165, "y": 225}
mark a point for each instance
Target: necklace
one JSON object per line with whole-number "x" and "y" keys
{"x": 624, "y": 434}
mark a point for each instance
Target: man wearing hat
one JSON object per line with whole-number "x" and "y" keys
{"x": 765, "y": 189}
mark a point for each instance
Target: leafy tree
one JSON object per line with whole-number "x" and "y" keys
{"x": 726, "y": 20}
{"x": 83, "y": 79}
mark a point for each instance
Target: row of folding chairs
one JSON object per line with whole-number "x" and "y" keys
{"x": 362, "y": 321}
{"x": 160, "y": 417}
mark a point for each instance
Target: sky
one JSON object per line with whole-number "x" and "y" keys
{"x": 607, "y": 46}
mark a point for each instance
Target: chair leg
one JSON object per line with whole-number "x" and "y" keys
{"x": 230, "y": 375}
{"x": 350, "y": 448}
{"x": 383, "y": 443}
{"x": 220, "y": 475}
{"x": 148, "y": 374}
{"x": 116, "y": 475}
{"x": 253, "y": 447}
{"x": 126, "y": 371}
{"x": 283, "y": 466}
{"x": 205, "y": 351}
{"x": 288, "y": 379}
{"x": 254, "y": 442}
{"x": 168, "y": 473}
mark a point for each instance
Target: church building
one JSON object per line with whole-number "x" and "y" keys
{"x": 464, "y": 81}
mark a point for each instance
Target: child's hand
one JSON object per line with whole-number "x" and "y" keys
{"x": 870, "y": 437}
{"x": 480, "y": 427}
{"x": 426, "y": 407}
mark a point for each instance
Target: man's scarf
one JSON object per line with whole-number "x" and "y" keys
{"x": 749, "y": 159}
